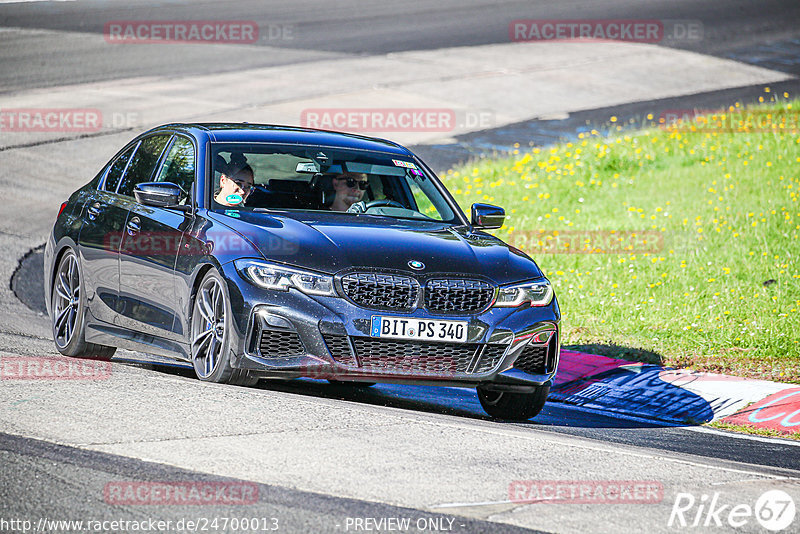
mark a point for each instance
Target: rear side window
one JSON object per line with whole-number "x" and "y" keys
{"x": 143, "y": 164}
{"x": 116, "y": 170}
{"x": 178, "y": 166}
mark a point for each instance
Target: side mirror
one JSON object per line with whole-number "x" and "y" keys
{"x": 487, "y": 216}
{"x": 159, "y": 195}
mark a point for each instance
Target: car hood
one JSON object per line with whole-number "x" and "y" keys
{"x": 332, "y": 242}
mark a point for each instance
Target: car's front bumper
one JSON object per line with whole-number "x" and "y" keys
{"x": 292, "y": 335}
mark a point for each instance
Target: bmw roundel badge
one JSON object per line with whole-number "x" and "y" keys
{"x": 416, "y": 265}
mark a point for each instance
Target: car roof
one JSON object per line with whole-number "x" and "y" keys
{"x": 272, "y": 133}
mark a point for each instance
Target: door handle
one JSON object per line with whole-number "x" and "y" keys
{"x": 133, "y": 226}
{"x": 93, "y": 211}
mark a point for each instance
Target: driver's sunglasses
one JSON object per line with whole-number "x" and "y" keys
{"x": 246, "y": 186}
{"x": 351, "y": 182}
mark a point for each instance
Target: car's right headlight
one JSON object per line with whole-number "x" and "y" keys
{"x": 538, "y": 293}
{"x": 281, "y": 278}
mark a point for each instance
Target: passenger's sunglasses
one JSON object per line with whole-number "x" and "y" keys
{"x": 351, "y": 182}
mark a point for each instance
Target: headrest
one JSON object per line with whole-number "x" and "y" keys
{"x": 323, "y": 185}
{"x": 322, "y": 182}
{"x": 237, "y": 163}
{"x": 230, "y": 168}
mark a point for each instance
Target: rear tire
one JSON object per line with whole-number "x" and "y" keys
{"x": 513, "y": 406}
{"x": 68, "y": 305}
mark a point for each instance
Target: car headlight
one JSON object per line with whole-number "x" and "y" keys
{"x": 536, "y": 293}
{"x": 281, "y": 278}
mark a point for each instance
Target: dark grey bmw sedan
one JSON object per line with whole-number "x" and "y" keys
{"x": 256, "y": 251}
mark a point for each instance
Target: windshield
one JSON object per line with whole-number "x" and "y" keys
{"x": 272, "y": 177}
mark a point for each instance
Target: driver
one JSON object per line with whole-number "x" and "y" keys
{"x": 349, "y": 188}
{"x": 235, "y": 185}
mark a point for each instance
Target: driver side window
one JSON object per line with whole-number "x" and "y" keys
{"x": 179, "y": 166}
{"x": 143, "y": 164}
{"x": 117, "y": 168}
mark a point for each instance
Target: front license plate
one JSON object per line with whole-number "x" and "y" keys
{"x": 414, "y": 328}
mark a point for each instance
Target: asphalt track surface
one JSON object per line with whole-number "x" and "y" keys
{"x": 555, "y": 417}
{"x": 766, "y": 32}
{"x": 45, "y": 479}
{"x": 36, "y": 470}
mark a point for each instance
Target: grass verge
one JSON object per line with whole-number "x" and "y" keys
{"x": 675, "y": 245}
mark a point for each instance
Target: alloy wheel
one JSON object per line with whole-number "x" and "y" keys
{"x": 208, "y": 327}
{"x": 66, "y": 300}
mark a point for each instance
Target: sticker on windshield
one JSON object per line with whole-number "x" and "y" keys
{"x": 234, "y": 199}
{"x": 406, "y": 164}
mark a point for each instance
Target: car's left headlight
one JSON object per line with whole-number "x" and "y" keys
{"x": 538, "y": 293}
{"x": 281, "y": 278}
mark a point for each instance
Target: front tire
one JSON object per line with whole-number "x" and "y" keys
{"x": 68, "y": 305}
{"x": 212, "y": 333}
{"x": 513, "y": 406}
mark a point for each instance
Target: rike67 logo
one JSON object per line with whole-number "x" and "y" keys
{"x": 774, "y": 510}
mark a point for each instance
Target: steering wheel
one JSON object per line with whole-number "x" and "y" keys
{"x": 383, "y": 202}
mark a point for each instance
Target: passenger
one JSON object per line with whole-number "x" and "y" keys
{"x": 235, "y": 185}
{"x": 349, "y": 188}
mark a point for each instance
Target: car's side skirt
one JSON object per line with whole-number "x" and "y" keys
{"x": 106, "y": 334}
